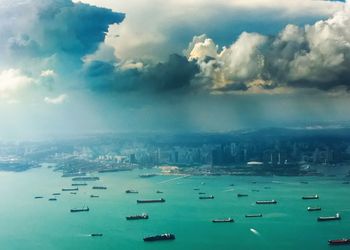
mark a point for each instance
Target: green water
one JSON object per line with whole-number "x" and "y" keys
{"x": 26, "y": 223}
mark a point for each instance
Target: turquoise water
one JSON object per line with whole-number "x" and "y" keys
{"x": 27, "y": 223}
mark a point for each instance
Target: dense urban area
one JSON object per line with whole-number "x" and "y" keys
{"x": 292, "y": 152}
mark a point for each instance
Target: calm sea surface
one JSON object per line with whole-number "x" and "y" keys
{"x": 27, "y": 223}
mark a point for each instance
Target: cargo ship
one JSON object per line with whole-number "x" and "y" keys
{"x": 160, "y": 237}
{"x": 253, "y": 215}
{"x": 96, "y": 235}
{"x": 83, "y": 209}
{"x": 206, "y": 197}
{"x": 151, "y": 201}
{"x": 147, "y": 175}
{"x": 311, "y": 209}
{"x": 99, "y": 187}
{"x": 70, "y": 189}
{"x": 223, "y": 220}
{"x": 79, "y": 184}
{"x": 143, "y": 216}
{"x": 130, "y": 191}
{"x": 266, "y": 202}
{"x": 86, "y": 178}
{"x": 310, "y": 197}
{"x": 343, "y": 241}
{"x": 328, "y": 218}
{"x": 242, "y": 195}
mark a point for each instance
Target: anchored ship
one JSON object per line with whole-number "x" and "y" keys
{"x": 143, "y": 216}
{"x": 130, "y": 191}
{"x": 151, "y": 201}
{"x": 266, "y": 202}
{"x": 311, "y": 209}
{"x": 223, "y": 220}
{"x": 99, "y": 187}
{"x": 70, "y": 189}
{"x": 343, "y": 241}
{"x": 96, "y": 235}
{"x": 253, "y": 215}
{"x": 206, "y": 197}
{"x": 310, "y": 197}
{"x": 160, "y": 237}
{"x": 83, "y": 209}
{"x": 328, "y": 218}
{"x": 86, "y": 178}
{"x": 242, "y": 195}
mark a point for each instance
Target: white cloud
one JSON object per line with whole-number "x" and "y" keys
{"x": 48, "y": 73}
{"x": 151, "y": 27}
{"x": 56, "y": 100}
{"x": 314, "y": 56}
{"x": 12, "y": 81}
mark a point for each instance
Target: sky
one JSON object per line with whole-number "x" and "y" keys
{"x": 93, "y": 66}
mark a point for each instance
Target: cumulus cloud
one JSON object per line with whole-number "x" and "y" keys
{"x": 156, "y": 26}
{"x": 56, "y": 100}
{"x": 313, "y": 56}
{"x": 51, "y": 34}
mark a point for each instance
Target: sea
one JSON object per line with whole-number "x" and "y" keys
{"x": 27, "y": 223}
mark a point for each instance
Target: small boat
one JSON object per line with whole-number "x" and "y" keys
{"x": 304, "y": 182}
{"x": 328, "y": 218}
{"x": 160, "y": 237}
{"x": 52, "y": 199}
{"x": 159, "y": 192}
{"x": 96, "y": 235}
{"x": 83, "y": 209}
{"x": 267, "y": 187}
{"x": 143, "y": 216}
{"x": 201, "y": 193}
{"x": 242, "y": 195}
{"x": 343, "y": 241}
{"x": 310, "y": 197}
{"x": 232, "y": 185}
{"x": 151, "y": 201}
{"x": 255, "y": 190}
{"x": 56, "y": 194}
{"x": 73, "y": 192}
{"x": 130, "y": 191}
{"x": 253, "y": 215}
{"x": 206, "y": 197}
{"x": 223, "y": 220}
{"x": 38, "y": 197}
{"x": 266, "y": 202}
{"x": 70, "y": 189}
{"x": 99, "y": 187}
{"x": 346, "y": 182}
{"x": 196, "y": 189}
{"x": 311, "y": 209}
{"x": 94, "y": 196}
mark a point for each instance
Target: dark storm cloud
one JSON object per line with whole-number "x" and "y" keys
{"x": 173, "y": 75}
{"x": 58, "y": 30}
